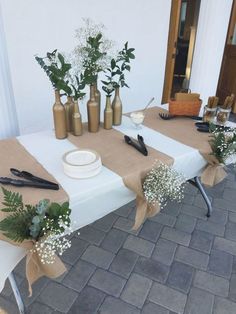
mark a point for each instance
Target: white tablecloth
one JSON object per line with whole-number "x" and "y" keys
{"x": 91, "y": 199}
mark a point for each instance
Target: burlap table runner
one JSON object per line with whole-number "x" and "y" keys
{"x": 13, "y": 155}
{"x": 184, "y": 131}
{"x": 124, "y": 160}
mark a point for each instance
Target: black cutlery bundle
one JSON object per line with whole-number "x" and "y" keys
{"x": 30, "y": 180}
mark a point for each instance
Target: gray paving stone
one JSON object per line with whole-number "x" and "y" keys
{"x": 185, "y": 223}
{"x": 98, "y": 256}
{"x": 220, "y": 263}
{"x": 192, "y": 257}
{"x": 92, "y": 235}
{"x": 152, "y": 308}
{"x": 139, "y": 246}
{"x": 88, "y": 301}
{"x": 117, "y": 306}
{"x": 58, "y": 297}
{"x": 37, "y": 288}
{"x": 126, "y": 225}
{"x": 124, "y": 263}
{"x": 199, "y": 201}
{"x": 232, "y": 288}
{"x": 234, "y": 265}
{"x": 224, "y": 306}
{"x": 168, "y": 298}
{"x": 194, "y": 211}
{"x": 180, "y": 277}
{"x": 164, "y": 219}
{"x": 125, "y": 210}
{"x": 232, "y": 216}
{"x": 201, "y": 241}
{"x": 199, "y": 301}
{"x": 77, "y": 248}
{"x": 8, "y": 307}
{"x": 152, "y": 269}
{"x": 177, "y": 236}
{"x": 230, "y": 231}
{"x": 225, "y": 245}
{"x": 224, "y": 204}
{"x": 79, "y": 275}
{"x": 173, "y": 208}
{"x": 219, "y": 216}
{"x": 188, "y": 199}
{"x": 229, "y": 195}
{"x": 105, "y": 223}
{"x": 211, "y": 283}
{"x": 136, "y": 290}
{"x": 164, "y": 251}
{"x": 7, "y": 290}
{"x": 114, "y": 240}
{"x": 39, "y": 308}
{"x": 107, "y": 282}
{"x": 211, "y": 227}
{"x": 151, "y": 231}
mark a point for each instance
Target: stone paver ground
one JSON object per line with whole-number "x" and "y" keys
{"x": 177, "y": 262}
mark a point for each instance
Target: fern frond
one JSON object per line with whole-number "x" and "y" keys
{"x": 12, "y": 201}
{"x": 16, "y": 225}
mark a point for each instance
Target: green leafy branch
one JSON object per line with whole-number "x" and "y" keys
{"x": 80, "y": 85}
{"x": 93, "y": 55}
{"x": 32, "y": 222}
{"x": 56, "y": 70}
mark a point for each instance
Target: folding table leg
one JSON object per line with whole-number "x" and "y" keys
{"x": 197, "y": 183}
{"x": 17, "y": 295}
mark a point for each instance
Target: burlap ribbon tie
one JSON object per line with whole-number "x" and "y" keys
{"x": 214, "y": 172}
{"x": 35, "y": 269}
{"x": 13, "y": 154}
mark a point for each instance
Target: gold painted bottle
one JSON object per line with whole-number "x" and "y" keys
{"x": 93, "y": 111}
{"x": 98, "y": 99}
{"x": 117, "y": 107}
{"x": 69, "y": 107}
{"x": 59, "y": 116}
{"x": 108, "y": 114}
{"x": 77, "y": 120}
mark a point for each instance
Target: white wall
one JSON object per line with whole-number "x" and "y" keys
{"x": 40, "y": 26}
{"x": 8, "y": 118}
{"x": 210, "y": 41}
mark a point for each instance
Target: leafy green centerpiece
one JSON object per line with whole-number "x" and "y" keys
{"x": 223, "y": 144}
{"x": 45, "y": 223}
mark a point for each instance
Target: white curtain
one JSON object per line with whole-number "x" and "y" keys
{"x": 209, "y": 47}
{"x": 8, "y": 116}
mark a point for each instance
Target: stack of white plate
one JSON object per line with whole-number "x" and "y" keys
{"x": 81, "y": 163}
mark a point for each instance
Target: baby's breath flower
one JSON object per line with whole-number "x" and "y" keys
{"x": 163, "y": 183}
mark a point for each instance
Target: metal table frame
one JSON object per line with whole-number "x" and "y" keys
{"x": 195, "y": 182}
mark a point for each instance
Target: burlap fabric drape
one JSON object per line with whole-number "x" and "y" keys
{"x": 13, "y": 155}
{"x": 126, "y": 162}
{"x": 184, "y": 131}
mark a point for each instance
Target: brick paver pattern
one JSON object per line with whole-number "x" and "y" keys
{"x": 177, "y": 262}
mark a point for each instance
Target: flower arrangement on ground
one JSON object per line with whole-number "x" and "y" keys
{"x": 163, "y": 183}
{"x": 45, "y": 223}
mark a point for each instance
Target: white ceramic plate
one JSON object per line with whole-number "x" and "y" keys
{"x": 81, "y": 163}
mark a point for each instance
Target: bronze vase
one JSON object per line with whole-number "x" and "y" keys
{"x": 59, "y": 116}
{"x": 93, "y": 111}
{"x": 69, "y": 106}
{"x": 77, "y": 120}
{"x": 117, "y": 107}
{"x": 98, "y": 99}
{"x": 108, "y": 114}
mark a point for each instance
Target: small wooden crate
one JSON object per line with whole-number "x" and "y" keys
{"x": 185, "y": 107}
